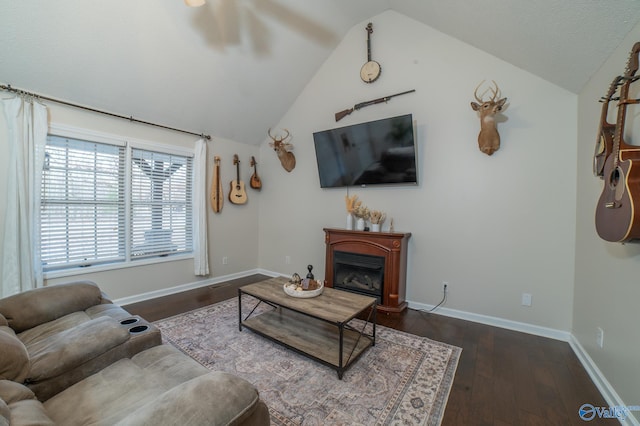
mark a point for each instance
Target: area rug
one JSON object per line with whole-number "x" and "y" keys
{"x": 403, "y": 379}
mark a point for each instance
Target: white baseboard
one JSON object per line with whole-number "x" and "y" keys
{"x": 608, "y": 392}
{"x": 551, "y": 333}
{"x": 189, "y": 286}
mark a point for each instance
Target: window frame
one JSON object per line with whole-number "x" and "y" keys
{"x": 129, "y": 144}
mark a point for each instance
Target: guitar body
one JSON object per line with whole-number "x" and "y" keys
{"x": 618, "y": 209}
{"x": 255, "y": 181}
{"x": 217, "y": 198}
{"x": 237, "y": 193}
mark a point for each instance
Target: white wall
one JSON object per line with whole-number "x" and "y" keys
{"x": 492, "y": 227}
{"x": 232, "y": 233}
{"x": 607, "y": 284}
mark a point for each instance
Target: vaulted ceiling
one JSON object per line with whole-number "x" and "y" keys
{"x": 232, "y": 68}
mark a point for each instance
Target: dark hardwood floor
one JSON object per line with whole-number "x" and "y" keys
{"x": 503, "y": 378}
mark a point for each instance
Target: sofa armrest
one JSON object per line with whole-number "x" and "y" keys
{"x": 216, "y": 398}
{"x": 70, "y": 348}
{"x": 34, "y": 307}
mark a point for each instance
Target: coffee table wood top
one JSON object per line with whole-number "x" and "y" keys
{"x": 332, "y": 305}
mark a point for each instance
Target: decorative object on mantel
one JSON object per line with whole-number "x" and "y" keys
{"x": 391, "y": 229}
{"x": 283, "y": 149}
{"x": 377, "y": 218}
{"x": 362, "y": 215}
{"x": 488, "y": 138}
{"x": 351, "y": 203}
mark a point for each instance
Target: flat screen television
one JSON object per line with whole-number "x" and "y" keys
{"x": 380, "y": 152}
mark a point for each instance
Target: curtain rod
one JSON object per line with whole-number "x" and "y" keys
{"x": 8, "y": 88}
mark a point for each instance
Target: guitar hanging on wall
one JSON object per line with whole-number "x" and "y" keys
{"x": 237, "y": 194}
{"x": 604, "y": 144}
{"x": 617, "y": 212}
{"x": 217, "y": 198}
{"x": 255, "y": 181}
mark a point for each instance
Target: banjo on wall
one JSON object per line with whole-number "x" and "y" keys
{"x": 371, "y": 70}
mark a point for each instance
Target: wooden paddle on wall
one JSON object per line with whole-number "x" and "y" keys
{"x": 255, "y": 181}
{"x": 237, "y": 194}
{"x": 217, "y": 198}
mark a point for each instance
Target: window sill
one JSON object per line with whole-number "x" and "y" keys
{"x": 114, "y": 266}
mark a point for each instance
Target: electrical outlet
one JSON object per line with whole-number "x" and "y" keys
{"x": 225, "y": 260}
{"x": 287, "y": 260}
{"x": 526, "y": 299}
{"x": 600, "y": 337}
{"x": 445, "y": 287}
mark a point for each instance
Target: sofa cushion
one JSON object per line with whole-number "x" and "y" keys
{"x": 28, "y": 309}
{"x": 11, "y": 391}
{"x": 66, "y": 350}
{"x": 15, "y": 362}
{"x": 216, "y": 398}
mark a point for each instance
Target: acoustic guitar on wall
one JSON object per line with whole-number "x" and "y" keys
{"x": 255, "y": 181}
{"x": 617, "y": 212}
{"x": 237, "y": 194}
{"x": 216, "y": 187}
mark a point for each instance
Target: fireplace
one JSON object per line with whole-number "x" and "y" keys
{"x": 369, "y": 263}
{"x": 359, "y": 273}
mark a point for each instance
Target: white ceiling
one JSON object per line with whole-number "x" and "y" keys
{"x": 232, "y": 68}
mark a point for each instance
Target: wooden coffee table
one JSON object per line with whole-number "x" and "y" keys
{"x": 317, "y": 327}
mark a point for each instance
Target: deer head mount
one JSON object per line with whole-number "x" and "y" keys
{"x": 283, "y": 149}
{"x": 488, "y": 138}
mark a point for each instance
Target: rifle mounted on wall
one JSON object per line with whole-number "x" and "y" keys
{"x": 342, "y": 114}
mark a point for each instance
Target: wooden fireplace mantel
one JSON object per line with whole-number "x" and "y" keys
{"x": 390, "y": 245}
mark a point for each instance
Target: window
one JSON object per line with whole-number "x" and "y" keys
{"x": 113, "y": 203}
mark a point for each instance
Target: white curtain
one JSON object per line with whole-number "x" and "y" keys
{"x": 27, "y": 132}
{"x": 200, "y": 246}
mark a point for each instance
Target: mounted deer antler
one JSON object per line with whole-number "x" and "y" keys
{"x": 282, "y": 148}
{"x": 488, "y": 138}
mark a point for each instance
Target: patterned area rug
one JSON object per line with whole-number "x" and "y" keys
{"x": 403, "y": 379}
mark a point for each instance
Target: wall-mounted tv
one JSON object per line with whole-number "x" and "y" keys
{"x": 371, "y": 153}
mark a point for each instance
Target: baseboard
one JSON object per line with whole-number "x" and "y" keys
{"x": 606, "y": 390}
{"x": 189, "y": 286}
{"x": 537, "y": 330}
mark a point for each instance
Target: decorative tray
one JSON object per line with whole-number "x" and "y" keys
{"x": 314, "y": 288}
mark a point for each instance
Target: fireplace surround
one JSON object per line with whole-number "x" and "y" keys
{"x": 370, "y": 263}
